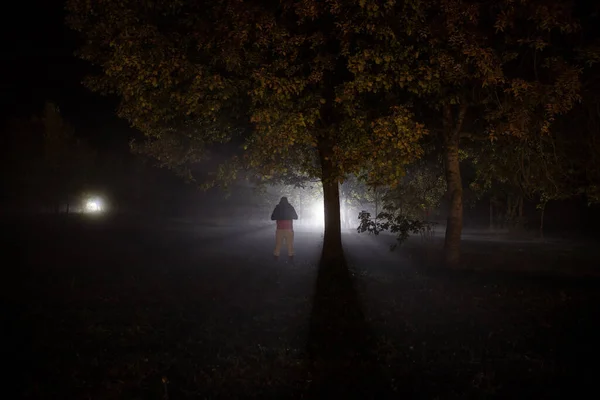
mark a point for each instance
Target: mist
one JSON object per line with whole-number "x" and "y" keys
{"x": 146, "y": 147}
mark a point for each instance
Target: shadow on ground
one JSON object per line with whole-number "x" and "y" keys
{"x": 340, "y": 343}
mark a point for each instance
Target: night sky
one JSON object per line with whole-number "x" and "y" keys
{"x": 38, "y": 65}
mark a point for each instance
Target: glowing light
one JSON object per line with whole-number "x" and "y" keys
{"x": 318, "y": 213}
{"x": 93, "y": 206}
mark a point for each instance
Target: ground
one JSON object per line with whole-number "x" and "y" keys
{"x": 178, "y": 310}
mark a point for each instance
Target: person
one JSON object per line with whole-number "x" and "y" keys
{"x": 284, "y": 213}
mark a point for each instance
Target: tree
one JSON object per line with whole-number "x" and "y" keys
{"x": 67, "y": 160}
{"x": 587, "y": 117}
{"x": 559, "y": 165}
{"x": 21, "y": 161}
{"x": 480, "y": 70}
{"x": 271, "y": 79}
{"x": 356, "y": 196}
{"x": 419, "y": 192}
{"x": 539, "y": 169}
{"x": 47, "y": 161}
{"x": 406, "y": 209}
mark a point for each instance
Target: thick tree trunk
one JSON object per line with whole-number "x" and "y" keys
{"x": 332, "y": 238}
{"x": 454, "y": 185}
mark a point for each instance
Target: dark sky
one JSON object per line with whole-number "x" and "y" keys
{"x": 38, "y": 64}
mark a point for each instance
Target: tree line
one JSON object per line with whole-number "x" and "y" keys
{"x": 46, "y": 166}
{"x": 49, "y": 168}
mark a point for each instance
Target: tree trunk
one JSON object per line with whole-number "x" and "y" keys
{"x": 348, "y": 216}
{"x": 542, "y": 222}
{"x": 454, "y": 185}
{"x": 513, "y": 214}
{"x": 491, "y": 214}
{"x": 455, "y": 214}
{"x": 509, "y": 213}
{"x": 376, "y": 207}
{"x": 342, "y": 207}
{"x": 332, "y": 238}
{"x": 520, "y": 215}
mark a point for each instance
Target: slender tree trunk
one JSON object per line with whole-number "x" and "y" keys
{"x": 332, "y": 238}
{"x": 342, "y": 207}
{"x": 454, "y": 223}
{"x": 520, "y": 215}
{"x": 542, "y": 222}
{"x": 347, "y": 213}
{"x": 491, "y": 214}
{"x": 376, "y": 207}
{"x": 455, "y": 215}
{"x": 509, "y": 213}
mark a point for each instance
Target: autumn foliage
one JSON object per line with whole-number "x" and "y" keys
{"x": 330, "y": 88}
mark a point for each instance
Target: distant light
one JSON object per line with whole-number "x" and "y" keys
{"x": 93, "y": 206}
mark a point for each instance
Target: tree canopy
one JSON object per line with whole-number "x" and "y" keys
{"x": 305, "y": 89}
{"x": 275, "y": 76}
{"x": 276, "y": 79}
{"x": 477, "y": 70}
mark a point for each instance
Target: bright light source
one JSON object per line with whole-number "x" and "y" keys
{"x": 318, "y": 214}
{"x": 93, "y": 206}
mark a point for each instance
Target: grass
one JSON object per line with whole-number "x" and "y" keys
{"x": 526, "y": 256}
{"x": 124, "y": 313}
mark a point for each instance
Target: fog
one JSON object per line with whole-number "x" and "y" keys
{"x": 253, "y": 206}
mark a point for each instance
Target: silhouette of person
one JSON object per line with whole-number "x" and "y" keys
{"x": 284, "y": 213}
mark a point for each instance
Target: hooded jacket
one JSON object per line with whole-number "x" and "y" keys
{"x": 284, "y": 213}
